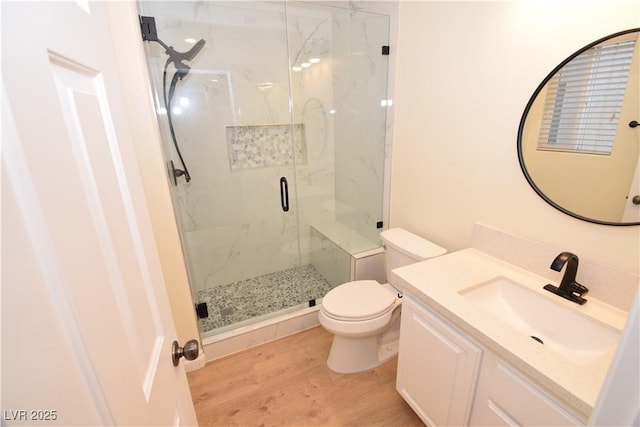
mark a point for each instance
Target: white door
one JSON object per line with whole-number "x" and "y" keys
{"x": 86, "y": 326}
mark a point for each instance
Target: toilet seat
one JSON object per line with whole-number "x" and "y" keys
{"x": 357, "y": 301}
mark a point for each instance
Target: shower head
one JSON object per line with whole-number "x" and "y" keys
{"x": 176, "y": 57}
{"x": 150, "y": 33}
{"x": 189, "y": 55}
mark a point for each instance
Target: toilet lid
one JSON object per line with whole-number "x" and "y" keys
{"x": 359, "y": 300}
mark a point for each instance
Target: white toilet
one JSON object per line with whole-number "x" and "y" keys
{"x": 364, "y": 315}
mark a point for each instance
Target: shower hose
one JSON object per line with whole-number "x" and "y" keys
{"x": 168, "y": 100}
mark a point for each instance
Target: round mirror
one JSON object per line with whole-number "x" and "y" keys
{"x": 579, "y": 136}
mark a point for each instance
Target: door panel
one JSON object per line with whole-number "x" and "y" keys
{"x": 85, "y": 111}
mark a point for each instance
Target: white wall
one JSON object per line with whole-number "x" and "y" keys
{"x": 465, "y": 71}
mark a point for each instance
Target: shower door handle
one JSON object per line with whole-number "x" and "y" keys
{"x": 284, "y": 194}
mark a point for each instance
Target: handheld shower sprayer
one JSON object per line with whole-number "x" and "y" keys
{"x": 177, "y": 58}
{"x": 149, "y": 33}
{"x": 188, "y": 55}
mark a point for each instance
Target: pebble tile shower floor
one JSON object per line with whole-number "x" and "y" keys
{"x": 237, "y": 301}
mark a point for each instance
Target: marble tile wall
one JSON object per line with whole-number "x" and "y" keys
{"x": 240, "y": 85}
{"x": 233, "y": 225}
{"x": 329, "y": 259}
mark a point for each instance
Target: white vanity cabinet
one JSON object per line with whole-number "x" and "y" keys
{"x": 450, "y": 380}
{"x": 437, "y": 367}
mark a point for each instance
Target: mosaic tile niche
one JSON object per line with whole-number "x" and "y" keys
{"x": 262, "y": 146}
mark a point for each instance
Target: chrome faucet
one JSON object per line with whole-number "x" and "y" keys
{"x": 569, "y": 288}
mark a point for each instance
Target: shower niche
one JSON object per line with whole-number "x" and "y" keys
{"x": 281, "y": 122}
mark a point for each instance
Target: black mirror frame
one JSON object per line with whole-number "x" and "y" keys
{"x": 524, "y": 118}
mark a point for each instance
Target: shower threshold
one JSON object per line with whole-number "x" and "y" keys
{"x": 242, "y": 337}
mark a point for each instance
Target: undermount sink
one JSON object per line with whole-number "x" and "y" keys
{"x": 561, "y": 329}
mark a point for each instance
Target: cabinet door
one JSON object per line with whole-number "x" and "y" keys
{"x": 437, "y": 367}
{"x": 505, "y": 397}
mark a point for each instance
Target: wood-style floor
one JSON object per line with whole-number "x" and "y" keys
{"x": 287, "y": 383}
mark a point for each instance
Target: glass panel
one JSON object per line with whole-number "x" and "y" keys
{"x": 232, "y": 121}
{"x": 339, "y": 87}
{"x": 279, "y": 90}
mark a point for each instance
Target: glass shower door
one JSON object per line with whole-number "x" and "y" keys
{"x": 232, "y": 121}
{"x": 281, "y": 121}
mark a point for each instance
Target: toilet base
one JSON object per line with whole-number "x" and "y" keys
{"x": 351, "y": 355}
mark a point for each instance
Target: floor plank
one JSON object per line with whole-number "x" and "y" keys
{"x": 287, "y": 383}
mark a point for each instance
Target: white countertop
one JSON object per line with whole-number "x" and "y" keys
{"x": 436, "y": 283}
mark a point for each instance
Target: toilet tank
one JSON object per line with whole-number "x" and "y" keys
{"x": 404, "y": 248}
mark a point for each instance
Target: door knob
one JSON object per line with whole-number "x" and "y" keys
{"x": 190, "y": 351}
{"x": 636, "y": 199}
{"x": 633, "y": 124}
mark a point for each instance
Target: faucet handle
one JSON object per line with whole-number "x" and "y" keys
{"x": 578, "y": 290}
{"x": 573, "y": 294}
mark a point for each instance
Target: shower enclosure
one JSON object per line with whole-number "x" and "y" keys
{"x": 281, "y": 122}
